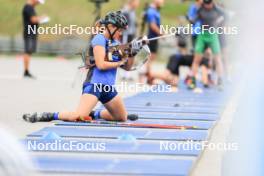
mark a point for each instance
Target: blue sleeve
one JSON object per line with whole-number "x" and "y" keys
{"x": 99, "y": 40}
{"x": 192, "y": 13}
{"x": 151, "y": 16}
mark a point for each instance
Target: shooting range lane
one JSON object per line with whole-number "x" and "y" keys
{"x": 142, "y": 133}
{"x": 114, "y": 166}
{"x": 197, "y": 124}
{"x": 172, "y": 110}
{"x": 114, "y": 147}
{"x": 133, "y": 150}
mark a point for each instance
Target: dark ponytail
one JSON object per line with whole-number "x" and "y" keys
{"x": 99, "y": 27}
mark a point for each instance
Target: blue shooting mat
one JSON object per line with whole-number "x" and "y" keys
{"x": 114, "y": 133}
{"x": 169, "y": 98}
{"x": 170, "y": 103}
{"x": 167, "y": 106}
{"x": 175, "y": 116}
{"x": 199, "y": 110}
{"x": 134, "y": 150}
{"x": 109, "y": 166}
{"x": 114, "y": 146}
{"x": 164, "y": 101}
{"x": 198, "y": 124}
{"x": 157, "y": 105}
{"x": 183, "y": 94}
{"x": 173, "y": 110}
{"x": 184, "y": 99}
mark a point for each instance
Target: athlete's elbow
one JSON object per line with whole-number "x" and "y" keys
{"x": 101, "y": 66}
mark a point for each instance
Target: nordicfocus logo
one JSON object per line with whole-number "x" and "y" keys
{"x": 190, "y": 30}
{"x": 194, "y": 145}
{"x": 65, "y": 146}
{"x": 58, "y": 29}
{"x": 124, "y": 87}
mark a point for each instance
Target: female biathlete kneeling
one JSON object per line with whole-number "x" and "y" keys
{"x": 99, "y": 78}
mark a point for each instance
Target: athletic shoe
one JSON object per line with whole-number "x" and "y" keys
{"x": 132, "y": 117}
{"x": 27, "y": 74}
{"x": 191, "y": 82}
{"x": 44, "y": 117}
{"x": 206, "y": 86}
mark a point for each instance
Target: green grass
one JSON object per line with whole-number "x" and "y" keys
{"x": 78, "y": 12}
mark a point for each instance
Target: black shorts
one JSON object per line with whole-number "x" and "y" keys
{"x": 30, "y": 44}
{"x": 153, "y": 46}
{"x": 104, "y": 93}
{"x": 177, "y": 60}
{"x": 173, "y": 64}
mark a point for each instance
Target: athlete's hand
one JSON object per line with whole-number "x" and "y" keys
{"x": 122, "y": 62}
{"x": 136, "y": 45}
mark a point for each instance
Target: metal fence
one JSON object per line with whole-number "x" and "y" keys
{"x": 68, "y": 46}
{"x": 65, "y": 46}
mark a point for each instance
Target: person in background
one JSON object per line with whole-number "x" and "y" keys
{"x": 223, "y": 42}
{"x": 142, "y": 71}
{"x": 130, "y": 33}
{"x": 31, "y": 20}
{"x": 144, "y": 19}
{"x": 129, "y": 11}
{"x": 154, "y": 21}
{"x": 210, "y": 16}
{"x": 191, "y": 16}
{"x": 181, "y": 58}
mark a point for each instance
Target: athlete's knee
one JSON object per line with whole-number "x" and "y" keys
{"x": 121, "y": 117}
